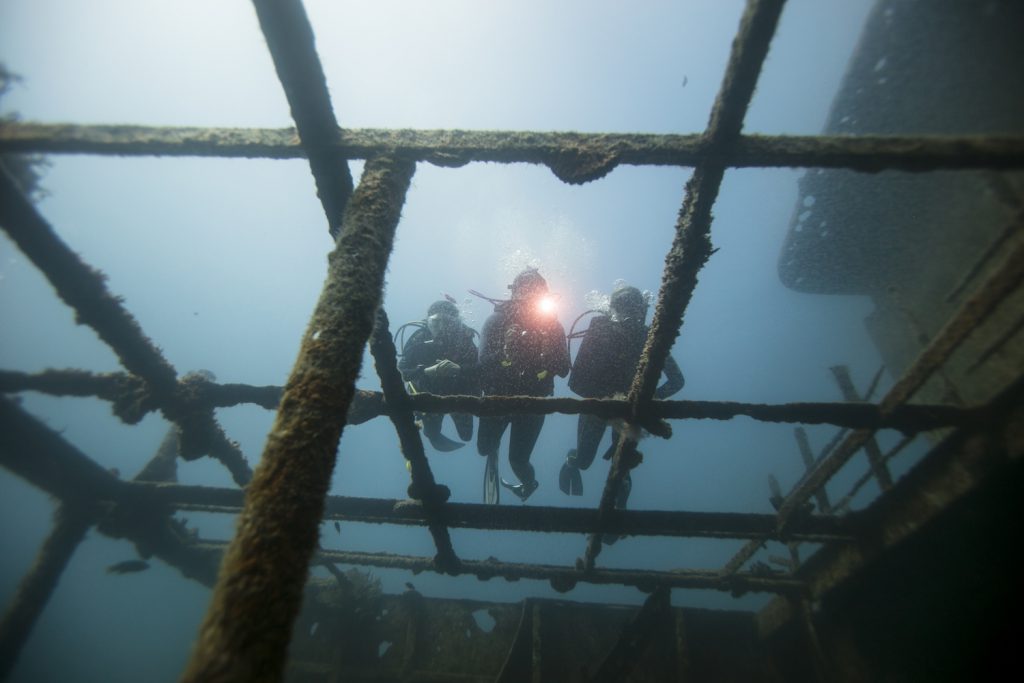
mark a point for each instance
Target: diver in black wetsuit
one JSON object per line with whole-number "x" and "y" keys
{"x": 605, "y": 366}
{"x": 441, "y": 358}
{"x": 522, "y": 348}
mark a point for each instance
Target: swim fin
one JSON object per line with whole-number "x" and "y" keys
{"x": 570, "y": 481}
{"x": 521, "y": 491}
{"x": 442, "y": 443}
{"x": 492, "y": 492}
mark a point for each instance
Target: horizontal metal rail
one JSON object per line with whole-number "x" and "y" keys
{"x": 815, "y": 529}
{"x": 366, "y": 405}
{"x": 589, "y": 155}
{"x": 564, "y": 578}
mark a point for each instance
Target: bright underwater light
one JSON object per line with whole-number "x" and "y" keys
{"x": 546, "y": 305}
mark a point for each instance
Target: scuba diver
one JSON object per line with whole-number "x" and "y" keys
{"x": 441, "y": 358}
{"x": 605, "y": 366}
{"x": 522, "y": 348}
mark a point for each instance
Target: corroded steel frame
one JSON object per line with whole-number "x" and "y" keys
{"x": 244, "y": 638}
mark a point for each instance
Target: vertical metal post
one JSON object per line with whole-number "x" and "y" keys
{"x": 245, "y": 634}
{"x": 423, "y": 486}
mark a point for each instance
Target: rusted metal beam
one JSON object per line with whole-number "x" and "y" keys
{"x": 36, "y": 453}
{"x": 816, "y": 529}
{"x": 259, "y": 590}
{"x": 85, "y": 291}
{"x": 291, "y": 43}
{"x": 71, "y": 522}
{"x": 821, "y": 495}
{"x": 82, "y": 288}
{"x": 845, "y": 501}
{"x": 874, "y": 453}
{"x": 956, "y": 467}
{"x": 1004, "y": 280}
{"x": 567, "y": 577}
{"x": 452, "y": 148}
{"x": 905, "y": 418}
{"x": 432, "y": 497}
{"x": 691, "y": 247}
{"x": 121, "y": 389}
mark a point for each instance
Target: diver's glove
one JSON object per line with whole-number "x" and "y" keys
{"x": 442, "y": 369}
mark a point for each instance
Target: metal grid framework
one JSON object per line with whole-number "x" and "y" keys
{"x": 285, "y": 499}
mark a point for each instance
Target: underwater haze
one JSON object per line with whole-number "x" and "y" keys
{"x": 222, "y": 260}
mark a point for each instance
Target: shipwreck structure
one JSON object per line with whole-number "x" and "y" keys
{"x": 920, "y": 585}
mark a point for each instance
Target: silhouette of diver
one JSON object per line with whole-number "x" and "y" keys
{"x": 605, "y": 365}
{"x": 522, "y": 348}
{"x": 441, "y": 358}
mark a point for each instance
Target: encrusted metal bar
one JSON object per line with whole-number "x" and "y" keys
{"x": 432, "y": 496}
{"x": 459, "y": 147}
{"x": 691, "y": 247}
{"x": 290, "y": 41}
{"x": 874, "y": 453}
{"x": 1012, "y": 227}
{"x": 36, "y": 453}
{"x": 653, "y": 619}
{"x": 84, "y": 290}
{"x": 70, "y": 526}
{"x": 259, "y": 590}
{"x": 121, "y": 389}
{"x": 956, "y": 467}
{"x": 845, "y": 501}
{"x": 567, "y": 576}
{"x": 1006, "y": 278}
{"x": 115, "y": 387}
{"x": 906, "y": 418}
{"x": 816, "y": 529}
{"x": 821, "y": 495}
{"x": 972, "y": 313}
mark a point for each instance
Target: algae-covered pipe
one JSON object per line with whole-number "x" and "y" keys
{"x": 245, "y": 634}
{"x": 691, "y": 246}
{"x": 70, "y": 526}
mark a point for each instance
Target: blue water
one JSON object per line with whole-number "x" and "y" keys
{"x": 221, "y": 262}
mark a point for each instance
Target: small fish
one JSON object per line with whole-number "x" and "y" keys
{"x": 128, "y": 567}
{"x": 337, "y": 527}
{"x": 685, "y": 81}
{"x": 408, "y": 584}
